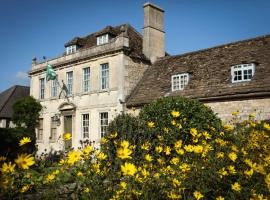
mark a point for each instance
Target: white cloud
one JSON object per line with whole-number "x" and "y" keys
{"x": 21, "y": 75}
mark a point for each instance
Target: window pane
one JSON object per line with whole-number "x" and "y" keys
{"x": 103, "y": 123}
{"x": 85, "y": 125}
{"x": 69, "y": 82}
{"x": 41, "y": 88}
{"x": 104, "y": 76}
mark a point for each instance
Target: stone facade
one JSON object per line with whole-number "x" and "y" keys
{"x": 259, "y": 107}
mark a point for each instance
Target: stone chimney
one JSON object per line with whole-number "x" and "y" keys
{"x": 153, "y": 32}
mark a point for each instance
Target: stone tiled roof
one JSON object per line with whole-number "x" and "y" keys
{"x": 135, "y": 39}
{"x": 9, "y": 97}
{"x": 210, "y": 73}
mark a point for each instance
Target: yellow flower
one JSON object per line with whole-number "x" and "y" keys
{"x": 173, "y": 195}
{"x": 220, "y": 198}
{"x": 103, "y": 140}
{"x": 61, "y": 162}
{"x": 266, "y": 126}
{"x": 231, "y": 169}
{"x": 87, "y": 150}
{"x": 148, "y": 158}
{"x": 113, "y": 135}
{"x": 2, "y": 158}
{"x": 73, "y": 156}
{"x": 267, "y": 181}
{"x": 24, "y": 141}
{"x": 174, "y": 160}
{"x": 151, "y": 124}
{"x": 176, "y": 183}
{"x": 67, "y": 136}
{"x": 24, "y": 161}
{"x": 101, "y": 156}
{"x": 193, "y": 132}
{"x": 145, "y": 146}
{"x": 166, "y": 130}
{"x": 197, "y": 195}
{"x": 25, "y": 188}
{"x": 79, "y": 174}
{"x": 236, "y": 187}
{"x": 251, "y": 115}
{"x": 235, "y": 113}
{"x": 7, "y": 168}
{"x": 50, "y": 178}
{"x": 232, "y": 156}
{"x": 178, "y": 144}
{"x": 128, "y": 169}
{"x": 206, "y": 135}
{"x": 123, "y": 153}
{"x": 188, "y": 148}
{"x": 180, "y": 151}
{"x": 249, "y": 173}
{"x": 173, "y": 122}
{"x": 228, "y": 127}
{"x": 198, "y": 149}
{"x": 123, "y": 185}
{"x": 167, "y": 150}
{"x": 87, "y": 190}
{"x": 159, "y": 149}
{"x": 184, "y": 167}
{"x": 220, "y": 155}
{"x": 175, "y": 113}
{"x": 222, "y": 172}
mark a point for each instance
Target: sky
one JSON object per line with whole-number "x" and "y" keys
{"x": 37, "y": 28}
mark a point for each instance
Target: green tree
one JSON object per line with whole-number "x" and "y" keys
{"x": 26, "y": 113}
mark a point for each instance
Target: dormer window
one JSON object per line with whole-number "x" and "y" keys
{"x": 71, "y": 49}
{"x": 243, "y": 72}
{"x": 103, "y": 39}
{"x": 179, "y": 81}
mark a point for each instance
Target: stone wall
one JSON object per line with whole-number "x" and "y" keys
{"x": 259, "y": 107}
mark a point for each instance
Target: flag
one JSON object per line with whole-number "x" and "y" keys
{"x": 50, "y": 73}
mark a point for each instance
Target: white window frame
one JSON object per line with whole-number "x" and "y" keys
{"x": 86, "y": 80}
{"x": 53, "y": 131}
{"x": 69, "y": 83}
{"x": 241, "y": 70}
{"x": 40, "y": 129}
{"x": 85, "y": 125}
{"x": 103, "y": 123}
{"x": 104, "y": 76}
{"x": 54, "y": 88}
{"x": 42, "y": 88}
{"x": 183, "y": 80}
{"x": 103, "y": 39}
{"x": 71, "y": 49}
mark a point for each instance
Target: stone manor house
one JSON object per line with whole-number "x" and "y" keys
{"x": 117, "y": 68}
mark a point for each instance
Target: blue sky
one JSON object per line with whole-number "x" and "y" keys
{"x": 40, "y": 28}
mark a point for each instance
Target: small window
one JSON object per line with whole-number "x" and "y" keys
{"x": 104, "y": 76}
{"x": 53, "y": 129}
{"x": 179, "y": 81}
{"x": 86, "y": 79}
{"x": 103, "y": 116}
{"x": 41, "y": 88}
{"x": 71, "y": 49}
{"x": 103, "y": 39}
{"x": 85, "y": 125}
{"x": 243, "y": 72}
{"x": 40, "y": 129}
{"x": 54, "y": 88}
{"x": 69, "y": 83}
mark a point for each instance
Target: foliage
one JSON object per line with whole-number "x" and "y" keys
{"x": 199, "y": 162}
{"x": 26, "y": 112}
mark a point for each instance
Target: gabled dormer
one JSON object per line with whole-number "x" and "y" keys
{"x": 73, "y": 45}
{"x": 105, "y": 35}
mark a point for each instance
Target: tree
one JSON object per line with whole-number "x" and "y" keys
{"x": 26, "y": 113}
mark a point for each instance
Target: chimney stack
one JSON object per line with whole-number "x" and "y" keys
{"x": 153, "y": 32}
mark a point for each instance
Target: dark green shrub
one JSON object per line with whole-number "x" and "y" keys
{"x": 193, "y": 114}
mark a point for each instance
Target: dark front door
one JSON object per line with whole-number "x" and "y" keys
{"x": 68, "y": 129}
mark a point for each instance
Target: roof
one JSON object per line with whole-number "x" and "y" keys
{"x": 135, "y": 39}
{"x": 9, "y": 97}
{"x": 210, "y": 73}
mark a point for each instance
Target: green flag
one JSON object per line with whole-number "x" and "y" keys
{"x": 50, "y": 73}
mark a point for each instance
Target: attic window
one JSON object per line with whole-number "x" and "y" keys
{"x": 179, "y": 81}
{"x": 103, "y": 39}
{"x": 243, "y": 72}
{"x": 71, "y": 49}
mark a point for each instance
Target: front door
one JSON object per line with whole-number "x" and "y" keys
{"x": 68, "y": 129}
